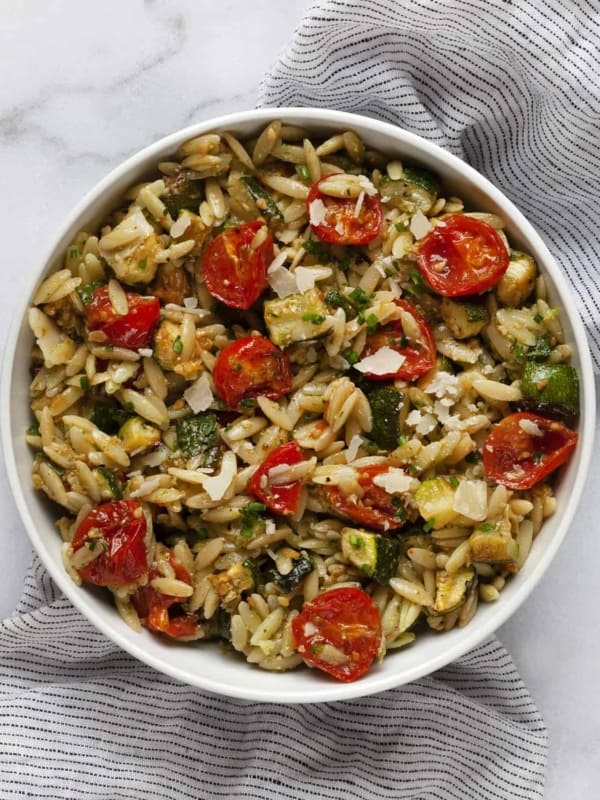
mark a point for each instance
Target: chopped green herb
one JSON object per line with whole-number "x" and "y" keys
{"x": 86, "y": 291}
{"x": 112, "y": 482}
{"x": 129, "y": 407}
{"x": 316, "y": 319}
{"x": 401, "y": 226}
{"x": 372, "y": 323}
{"x": 199, "y": 436}
{"x": 359, "y": 297}
{"x": 429, "y": 525}
{"x": 538, "y": 318}
{"x": 84, "y": 382}
{"x": 487, "y": 527}
{"x": 74, "y": 252}
{"x": 356, "y": 541}
{"x": 472, "y": 458}
{"x": 350, "y": 355}
{"x": 264, "y": 201}
{"x": 178, "y": 345}
{"x": 416, "y": 284}
{"x": 402, "y": 440}
{"x": 401, "y": 513}
{"x": 316, "y": 248}
{"x": 303, "y": 171}
{"x": 255, "y": 507}
{"x": 453, "y": 481}
{"x": 248, "y": 402}
{"x": 33, "y": 430}
{"x": 537, "y": 456}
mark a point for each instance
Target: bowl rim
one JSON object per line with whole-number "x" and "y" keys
{"x": 323, "y": 692}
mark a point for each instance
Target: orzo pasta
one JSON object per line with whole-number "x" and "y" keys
{"x": 294, "y": 396}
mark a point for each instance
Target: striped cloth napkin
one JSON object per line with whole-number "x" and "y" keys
{"x": 509, "y": 87}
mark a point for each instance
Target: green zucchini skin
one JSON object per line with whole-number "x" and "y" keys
{"x": 375, "y": 555}
{"x": 386, "y": 403}
{"x": 303, "y": 566}
{"x": 550, "y": 389}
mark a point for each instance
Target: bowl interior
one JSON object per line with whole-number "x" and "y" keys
{"x": 205, "y": 665}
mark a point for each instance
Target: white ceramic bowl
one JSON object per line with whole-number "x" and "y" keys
{"x": 205, "y": 665}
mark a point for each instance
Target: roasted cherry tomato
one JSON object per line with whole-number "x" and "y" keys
{"x": 163, "y": 613}
{"x": 250, "y": 367}
{"x": 282, "y": 498}
{"x": 117, "y": 530}
{"x": 235, "y": 271}
{"x": 339, "y": 632}
{"x": 419, "y": 355}
{"x": 462, "y": 255}
{"x": 374, "y": 509}
{"x": 523, "y": 448}
{"x": 133, "y": 329}
{"x": 333, "y": 219}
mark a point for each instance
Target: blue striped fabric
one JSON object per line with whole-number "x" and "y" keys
{"x": 81, "y": 719}
{"x": 510, "y": 86}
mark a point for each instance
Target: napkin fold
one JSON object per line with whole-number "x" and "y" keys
{"x": 511, "y": 87}
{"x": 80, "y": 718}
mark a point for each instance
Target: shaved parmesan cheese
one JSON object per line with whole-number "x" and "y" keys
{"x": 470, "y": 500}
{"x": 282, "y": 282}
{"x": 366, "y": 185}
{"x": 199, "y": 396}
{"x": 419, "y": 225}
{"x": 317, "y": 212}
{"x": 353, "y": 448}
{"x": 359, "y": 204}
{"x": 305, "y": 279}
{"x": 394, "y": 481}
{"x": 384, "y": 361}
{"x": 218, "y": 485}
{"x": 443, "y": 384}
{"x": 530, "y": 427}
{"x": 423, "y": 423}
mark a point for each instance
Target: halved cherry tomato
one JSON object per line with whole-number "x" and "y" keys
{"x": 118, "y": 529}
{"x": 234, "y": 271}
{"x": 133, "y": 329}
{"x": 374, "y": 509}
{"x": 517, "y": 456}
{"x": 339, "y": 632}
{"x": 282, "y": 498}
{"x": 419, "y": 356}
{"x": 462, "y": 255}
{"x": 340, "y": 225}
{"x": 250, "y": 367}
{"x": 157, "y": 611}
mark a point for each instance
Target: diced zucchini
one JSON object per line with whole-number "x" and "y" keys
{"x": 550, "y": 388}
{"x": 199, "y": 436}
{"x": 443, "y": 364}
{"x": 452, "y": 588}
{"x": 385, "y": 405}
{"x": 296, "y": 318}
{"x": 109, "y": 417}
{"x": 464, "y": 319}
{"x": 224, "y": 624}
{"x": 337, "y": 299}
{"x": 181, "y": 191}
{"x": 138, "y": 435}
{"x": 233, "y": 582}
{"x": 264, "y": 202}
{"x": 493, "y": 547}
{"x": 302, "y": 567}
{"x": 541, "y": 350}
{"x": 435, "y": 501}
{"x": 417, "y": 190}
{"x": 518, "y": 281}
{"x": 373, "y": 554}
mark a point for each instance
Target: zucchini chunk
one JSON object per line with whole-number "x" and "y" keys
{"x": 493, "y": 547}
{"x": 108, "y": 416}
{"x": 435, "y": 501}
{"x": 199, "y": 436}
{"x": 417, "y": 190}
{"x": 296, "y": 318}
{"x": 373, "y": 554}
{"x": 181, "y": 192}
{"x": 386, "y": 404}
{"x": 452, "y": 588}
{"x": 464, "y": 319}
{"x": 550, "y": 388}
{"x": 302, "y": 567}
{"x": 518, "y": 281}
{"x": 233, "y": 582}
{"x": 264, "y": 202}
{"x": 138, "y": 435}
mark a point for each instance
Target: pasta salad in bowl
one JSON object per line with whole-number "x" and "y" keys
{"x": 302, "y": 392}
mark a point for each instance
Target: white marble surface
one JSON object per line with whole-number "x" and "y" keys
{"x": 83, "y": 87}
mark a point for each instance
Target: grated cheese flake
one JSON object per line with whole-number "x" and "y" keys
{"x": 394, "y": 481}
{"x": 199, "y": 395}
{"x": 384, "y": 361}
{"x": 530, "y": 427}
{"x": 305, "y": 279}
{"x": 282, "y": 282}
{"x": 217, "y": 486}
{"x": 470, "y": 500}
{"x": 419, "y": 225}
{"x": 317, "y": 212}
